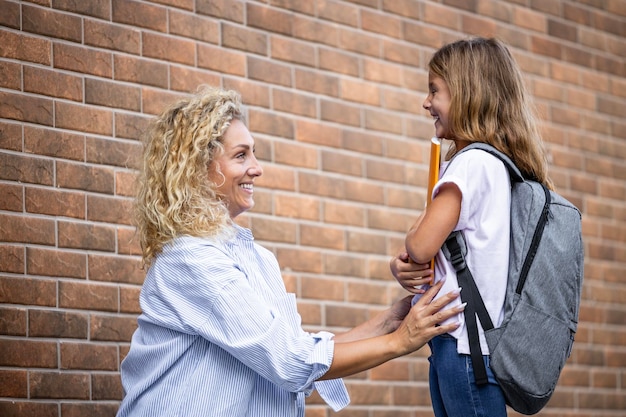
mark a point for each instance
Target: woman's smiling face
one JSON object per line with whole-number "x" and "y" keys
{"x": 438, "y": 104}
{"x": 236, "y": 169}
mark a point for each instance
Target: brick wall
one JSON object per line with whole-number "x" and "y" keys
{"x": 334, "y": 90}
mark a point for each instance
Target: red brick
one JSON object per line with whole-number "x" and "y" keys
{"x": 26, "y": 109}
{"x": 28, "y": 353}
{"x": 384, "y": 72}
{"x": 381, "y": 23}
{"x": 51, "y": 23}
{"x": 111, "y": 36}
{"x": 59, "y": 324}
{"x": 361, "y": 141}
{"x": 86, "y": 236}
{"x": 59, "y": 385}
{"x": 12, "y": 408}
{"x": 269, "y": 19}
{"x": 274, "y": 230}
{"x": 194, "y": 27}
{"x": 55, "y": 202}
{"x": 441, "y": 16}
{"x": 11, "y": 75}
{"x": 422, "y": 34}
{"x": 359, "y": 42}
{"x": 222, "y": 60}
{"x": 223, "y": 9}
{"x": 12, "y": 197}
{"x": 55, "y": 143}
{"x": 334, "y": 111}
{"x": 269, "y": 71}
{"x": 346, "y": 14}
{"x": 345, "y": 266}
{"x": 317, "y": 83}
{"x": 88, "y": 296}
{"x": 154, "y": 101}
{"x": 109, "y": 209}
{"x": 92, "y": 408}
{"x": 130, "y": 126}
{"x": 25, "y": 48}
{"x": 83, "y": 177}
{"x": 56, "y": 263}
{"x": 315, "y": 184}
{"x": 27, "y": 291}
{"x": 115, "y": 269}
{"x": 141, "y": 71}
{"x": 106, "y": 387}
{"x": 244, "y": 39}
{"x": 26, "y": 169}
{"x": 169, "y": 49}
{"x": 83, "y": 118}
{"x": 140, "y": 14}
{"x": 323, "y": 237}
{"x": 112, "y": 328}
{"x": 11, "y": 136}
{"x": 188, "y": 79}
{"x": 317, "y": 31}
{"x": 13, "y": 384}
{"x": 12, "y": 323}
{"x": 293, "y": 51}
{"x": 129, "y": 300}
{"x": 88, "y": 356}
{"x": 125, "y": 154}
{"x": 300, "y": 259}
{"x": 344, "y": 213}
{"x": 10, "y": 16}
{"x": 111, "y": 94}
{"x": 83, "y": 60}
{"x": 26, "y": 230}
{"x": 323, "y": 289}
{"x": 99, "y": 8}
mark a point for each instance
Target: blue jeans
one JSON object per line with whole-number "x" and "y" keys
{"x": 452, "y": 388}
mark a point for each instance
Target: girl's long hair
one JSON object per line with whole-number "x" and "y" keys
{"x": 175, "y": 195}
{"x": 490, "y": 103}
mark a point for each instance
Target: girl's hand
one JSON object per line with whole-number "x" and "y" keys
{"x": 410, "y": 275}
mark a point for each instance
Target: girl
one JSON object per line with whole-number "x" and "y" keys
{"x": 475, "y": 94}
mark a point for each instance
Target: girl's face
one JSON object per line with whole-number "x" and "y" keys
{"x": 236, "y": 169}
{"x": 438, "y": 104}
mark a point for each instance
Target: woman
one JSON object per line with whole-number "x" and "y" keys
{"x": 218, "y": 334}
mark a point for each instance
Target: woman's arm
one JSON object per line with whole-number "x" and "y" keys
{"x": 430, "y": 231}
{"x": 418, "y": 327}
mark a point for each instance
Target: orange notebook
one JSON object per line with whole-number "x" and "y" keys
{"x": 433, "y": 174}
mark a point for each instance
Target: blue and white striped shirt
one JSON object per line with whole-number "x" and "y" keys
{"x": 220, "y": 336}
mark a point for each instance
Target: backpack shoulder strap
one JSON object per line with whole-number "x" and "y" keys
{"x": 514, "y": 172}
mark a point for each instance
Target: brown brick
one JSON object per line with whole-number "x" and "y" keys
{"x": 315, "y": 132}
{"x": 300, "y": 259}
{"x": 83, "y": 60}
{"x": 271, "y": 20}
{"x": 111, "y": 36}
{"x": 86, "y": 236}
{"x": 222, "y": 60}
{"x": 314, "y": 30}
{"x": 421, "y": 34}
{"x": 317, "y": 83}
{"x": 83, "y": 177}
{"x": 342, "y": 163}
{"x": 391, "y": 220}
{"x": 49, "y": 22}
{"x": 55, "y": 143}
{"x": 361, "y": 141}
{"x": 129, "y": 300}
{"x": 109, "y": 209}
{"x": 59, "y": 324}
{"x": 88, "y": 356}
{"x": 344, "y": 213}
{"x": 359, "y": 42}
{"x": 293, "y": 51}
{"x": 59, "y": 385}
{"x": 13, "y": 384}
{"x": 296, "y": 154}
{"x": 366, "y": 242}
{"x": 125, "y": 183}
{"x": 274, "y": 230}
{"x": 188, "y": 79}
{"x": 92, "y": 408}
{"x": 26, "y": 109}
{"x": 10, "y": 136}
{"x": 323, "y": 289}
{"x": 115, "y": 269}
{"x": 12, "y": 322}
{"x": 269, "y": 71}
{"x": 128, "y": 241}
{"x": 387, "y": 73}
{"x": 315, "y": 184}
{"x": 106, "y": 387}
{"x": 110, "y": 94}
{"x": 334, "y": 111}
{"x": 112, "y": 328}
{"x": 168, "y": 49}
{"x": 223, "y": 9}
{"x": 88, "y": 296}
{"x": 26, "y": 169}
{"x": 27, "y": 291}
{"x": 154, "y": 101}
{"x": 323, "y": 237}
{"x": 10, "y": 14}
{"x": 12, "y": 408}
{"x": 244, "y": 39}
{"x": 12, "y": 197}
{"x": 11, "y": 75}
{"x": 346, "y": 14}
{"x": 383, "y": 121}
{"x": 83, "y": 118}
{"x": 140, "y": 71}
{"x": 344, "y": 266}
{"x": 56, "y": 263}
{"x": 338, "y": 315}
{"x": 130, "y": 126}
{"x": 28, "y": 353}
{"x": 11, "y": 258}
{"x": 55, "y": 202}
{"x": 384, "y": 171}
{"x": 125, "y": 154}
{"x": 25, "y": 230}
{"x": 194, "y": 26}
{"x": 25, "y": 48}
{"x": 479, "y": 26}
{"x": 99, "y": 9}
{"x": 140, "y": 14}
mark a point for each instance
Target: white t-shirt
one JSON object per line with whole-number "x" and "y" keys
{"x": 485, "y": 220}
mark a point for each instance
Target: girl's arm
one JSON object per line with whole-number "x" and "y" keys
{"x": 430, "y": 231}
{"x": 417, "y": 328}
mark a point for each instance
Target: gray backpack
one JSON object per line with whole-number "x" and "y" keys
{"x": 529, "y": 349}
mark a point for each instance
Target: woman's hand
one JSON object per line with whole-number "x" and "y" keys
{"x": 422, "y": 322}
{"x": 410, "y": 275}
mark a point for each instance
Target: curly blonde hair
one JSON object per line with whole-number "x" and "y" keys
{"x": 175, "y": 194}
{"x": 490, "y": 103}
